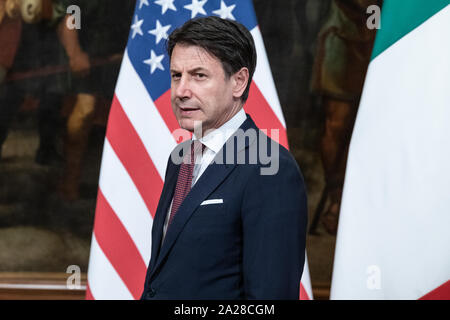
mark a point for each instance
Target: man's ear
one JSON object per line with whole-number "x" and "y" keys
{"x": 240, "y": 81}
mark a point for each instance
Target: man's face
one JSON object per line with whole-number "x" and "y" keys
{"x": 200, "y": 90}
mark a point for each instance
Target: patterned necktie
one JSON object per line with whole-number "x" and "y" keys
{"x": 184, "y": 181}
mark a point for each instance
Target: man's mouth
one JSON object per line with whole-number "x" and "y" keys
{"x": 188, "y": 110}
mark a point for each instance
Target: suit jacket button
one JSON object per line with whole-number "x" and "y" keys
{"x": 151, "y": 293}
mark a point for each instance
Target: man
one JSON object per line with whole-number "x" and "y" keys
{"x": 224, "y": 228}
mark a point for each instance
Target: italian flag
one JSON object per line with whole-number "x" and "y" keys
{"x": 393, "y": 240}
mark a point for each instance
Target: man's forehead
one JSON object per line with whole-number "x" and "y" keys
{"x": 192, "y": 56}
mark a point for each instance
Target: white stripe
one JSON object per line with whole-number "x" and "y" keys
{"x": 393, "y": 239}
{"x": 263, "y": 76}
{"x": 306, "y": 281}
{"x": 104, "y": 282}
{"x": 124, "y": 198}
{"x": 142, "y": 112}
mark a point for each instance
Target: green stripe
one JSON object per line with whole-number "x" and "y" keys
{"x": 399, "y": 17}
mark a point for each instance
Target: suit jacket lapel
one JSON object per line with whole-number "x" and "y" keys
{"x": 161, "y": 213}
{"x": 210, "y": 179}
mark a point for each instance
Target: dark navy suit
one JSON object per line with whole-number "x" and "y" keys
{"x": 251, "y": 246}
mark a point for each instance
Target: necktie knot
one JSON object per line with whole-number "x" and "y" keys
{"x": 197, "y": 148}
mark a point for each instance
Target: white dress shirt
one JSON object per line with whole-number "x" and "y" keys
{"x": 213, "y": 143}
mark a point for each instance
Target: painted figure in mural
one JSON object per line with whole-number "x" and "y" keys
{"x": 59, "y": 61}
{"x": 10, "y": 30}
{"x": 94, "y": 51}
{"x": 33, "y": 46}
{"x": 343, "y": 55}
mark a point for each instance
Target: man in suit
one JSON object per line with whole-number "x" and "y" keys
{"x": 231, "y": 220}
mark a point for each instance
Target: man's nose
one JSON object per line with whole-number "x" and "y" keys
{"x": 183, "y": 88}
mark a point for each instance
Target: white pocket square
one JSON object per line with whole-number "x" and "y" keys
{"x": 211, "y": 201}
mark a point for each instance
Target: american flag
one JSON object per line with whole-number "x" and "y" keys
{"x": 142, "y": 132}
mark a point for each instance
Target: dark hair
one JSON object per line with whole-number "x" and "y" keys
{"x": 227, "y": 40}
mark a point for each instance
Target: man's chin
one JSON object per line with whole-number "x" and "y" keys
{"x": 189, "y": 124}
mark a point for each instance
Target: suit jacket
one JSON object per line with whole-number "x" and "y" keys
{"x": 250, "y": 246}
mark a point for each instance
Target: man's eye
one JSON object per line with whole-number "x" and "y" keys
{"x": 175, "y": 76}
{"x": 200, "y": 75}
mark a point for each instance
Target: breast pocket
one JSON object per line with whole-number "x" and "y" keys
{"x": 211, "y": 224}
{"x": 211, "y": 201}
{"x": 210, "y": 210}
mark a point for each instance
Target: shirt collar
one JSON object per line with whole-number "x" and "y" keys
{"x": 215, "y": 139}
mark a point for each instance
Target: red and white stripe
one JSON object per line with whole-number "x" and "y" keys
{"x": 139, "y": 139}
